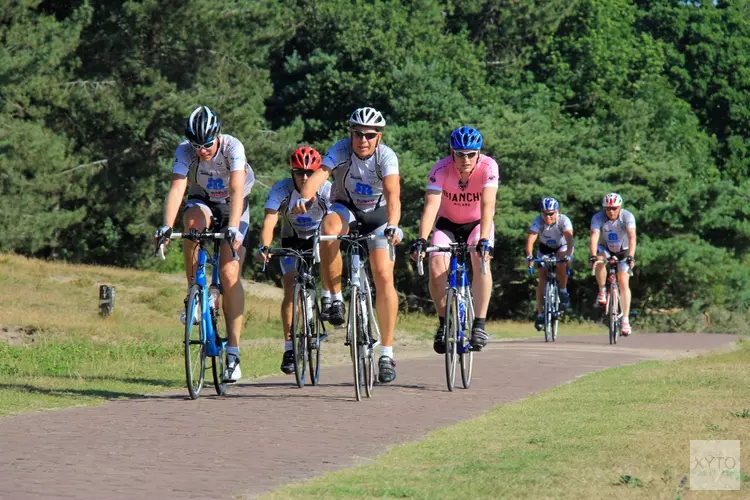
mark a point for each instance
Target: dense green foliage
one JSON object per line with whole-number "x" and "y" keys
{"x": 650, "y": 98}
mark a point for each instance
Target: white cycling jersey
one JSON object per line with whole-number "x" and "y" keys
{"x": 210, "y": 179}
{"x": 359, "y": 183}
{"x": 282, "y": 198}
{"x": 552, "y": 235}
{"x": 613, "y": 234}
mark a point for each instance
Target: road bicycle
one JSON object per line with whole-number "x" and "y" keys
{"x": 362, "y": 330}
{"x": 552, "y": 311}
{"x": 308, "y": 330}
{"x": 612, "y": 308}
{"x": 203, "y": 338}
{"x": 459, "y": 310}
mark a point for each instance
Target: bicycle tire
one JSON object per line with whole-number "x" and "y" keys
{"x": 299, "y": 335}
{"x": 195, "y": 348}
{"x": 218, "y": 362}
{"x": 451, "y": 338}
{"x": 548, "y": 312}
{"x": 365, "y": 351}
{"x": 555, "y": 293}
{"x": 612, "y": 313}
{"x": 352, "y": 335}
{"x": 314, "y": 347}
{"x": 466, "y": 358}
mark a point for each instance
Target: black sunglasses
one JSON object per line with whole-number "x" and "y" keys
{"x": 207, "y": 145}
{"x": 299, "y": 172}
{"x": 462, "y": 154}
{"x": 611, "y": 209}
{"x": 367, "y": 135}
{"x": 548, "y": 214}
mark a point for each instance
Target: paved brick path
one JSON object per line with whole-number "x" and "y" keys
{"x": 166, "y": 446}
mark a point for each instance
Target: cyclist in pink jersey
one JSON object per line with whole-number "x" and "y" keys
{"x": 460, "y": 204}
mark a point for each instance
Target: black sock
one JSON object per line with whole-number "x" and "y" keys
{"x": 442, "y": 321}
{"x": 479, "y": 323}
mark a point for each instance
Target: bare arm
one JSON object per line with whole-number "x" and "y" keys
{"x": 312, "y": 185}
{"x": 174, "y": 199}
{"x": 530, "y": 239}
{"x": 631, "y": 242}
{"x": 392, "y": 193}
{"x": 594, "y": 244}
{"x": 236, "y": 197}
{"x": 569, "y": 242}
{"x": 269, "y": 223}
{"x": 489, "y": 197}
{"x": 432, "y": 201}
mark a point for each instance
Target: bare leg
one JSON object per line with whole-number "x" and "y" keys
{"x": 234, "y": 295}
{"x": 331, "y": 264}
{"x": 438, "y": 278}
{"x": 194, "y": 218}
{"x": 286, "y": 304}
{"x": 386, "y": 300}
{"x": 481, "y": 287}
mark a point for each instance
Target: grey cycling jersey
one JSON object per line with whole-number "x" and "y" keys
{"x": 282, "y": 198}
{"x": 613, "y": 234}
{"x": 210, "y": 179}
{"x": 359, "y": 183}
{"x": 552, "y": 235}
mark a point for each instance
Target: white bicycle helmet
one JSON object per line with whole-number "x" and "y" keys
{"x": 203, "y": 126}
{"x": 367, "y": 117}
{"x": 612, "y": 200}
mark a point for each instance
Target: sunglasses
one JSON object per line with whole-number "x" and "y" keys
{"x": 301, "y": 173}
{"x": 465, "y": 154}
{"x": 207, "y": 145}
{"x": 548, "y": 214}
{"x": 364, "y": 135}
{"x": 611, "y": 209}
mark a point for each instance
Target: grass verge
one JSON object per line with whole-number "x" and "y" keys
{"x": 621, "y": 433}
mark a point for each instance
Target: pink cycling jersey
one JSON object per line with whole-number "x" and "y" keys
{"x": 461, "y": 202}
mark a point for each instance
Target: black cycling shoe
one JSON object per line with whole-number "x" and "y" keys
{"x": 478, "y": 339}
{"x": 325, "y": 307}
{"x": 386, "y": 370}
{"x": 337, "y": 313}
{"x": 439, "y": 343}
{"x": 287, "y": 362}
{"x": 539, "y": 322}
{"x": 564, "y": 299}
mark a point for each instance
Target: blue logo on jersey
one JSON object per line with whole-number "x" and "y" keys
{"x": 305, "y": 221}
{"x": 613, "y": 237}
{"x": 551, "y": 243}
{"x": 215, "y": 183}
{"x": 364, "y": 189}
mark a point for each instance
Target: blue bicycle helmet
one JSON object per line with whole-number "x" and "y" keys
{"x": 549, "y": 204}
{"x": 466, "y": 138}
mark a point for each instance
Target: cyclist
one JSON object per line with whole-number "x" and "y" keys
{"x": 613, "y": 233}
{"x": 296, "y": 232}
{"x": 367, "y": 195}
{"x": 214, "y": 168}
{"x": 555, "y": 233}
{"x": 460, "y": 194}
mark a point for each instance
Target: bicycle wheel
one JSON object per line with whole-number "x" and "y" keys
{"x": 299, "y": 335}
{"x": 612, "y": 313}
{"x": 314, "y": 346}
{"x": 466, "y": 358}
{"x": 555, "y": 308}
{"x": 195, "y": 349}
{"x": 366, "y": 354}
{"x": 218, "y": 362}
{"x": 352, "y": 334}
{"x": 452, "y": 327}
{"x": 548, "y": 312}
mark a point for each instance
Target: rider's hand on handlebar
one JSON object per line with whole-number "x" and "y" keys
{"x": 529, "y": 259}
{"x": 394, "y": 233}
{"x": 163, "y": 232}
{"x": 484, "y": 248}
{"x": 262, "y": 254}
{"x": 417, "y": 248}
{"x": 233, "y": 236}
{"x": 593, "y": 259}
{"x": 631, "y": 261}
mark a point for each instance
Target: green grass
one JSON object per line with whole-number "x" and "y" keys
{"x": 620, "y": 433}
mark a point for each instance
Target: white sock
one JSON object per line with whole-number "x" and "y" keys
{"x": 288, "y": 346}
{"x": 564, "y": 290}
{"x": 604, "y": 289}
{"x": 234, "y": 351}
{"x": 386, "y": 351}
{"x": 337, "y": 296}
{"x": 326, "y": 294}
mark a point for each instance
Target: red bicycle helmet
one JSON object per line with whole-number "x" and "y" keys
{"x": 305, "y": 158}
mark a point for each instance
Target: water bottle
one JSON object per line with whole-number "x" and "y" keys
{"x": 213, "y": 297}
{"x": 462, "y": 311}
{"x": 309, "y": 306}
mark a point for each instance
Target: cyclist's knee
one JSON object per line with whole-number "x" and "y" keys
{"x": 195, "y": 218}
{"x": 332, "y": 224}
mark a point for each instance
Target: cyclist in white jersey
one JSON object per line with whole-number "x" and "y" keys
{"x": 296, "y": 233}
{"x": 367, "y": 195}
{"x": 555, "y": 233}
{"x": 613, "y": 233}
{"x": 214, "y": 167}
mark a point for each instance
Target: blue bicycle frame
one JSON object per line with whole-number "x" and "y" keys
{"x": 208, "y": 335}
{"x": 458, "y": 279}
